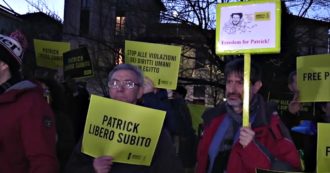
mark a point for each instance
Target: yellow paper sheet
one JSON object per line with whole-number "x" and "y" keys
{"x": 313, "y": 78}
{"x": 127, "y": 132}
{"x": 49, "y": 54}
{"x": 157, "y": 61}
{"x": 323, "y": 148}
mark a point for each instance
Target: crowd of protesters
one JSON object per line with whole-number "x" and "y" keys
{"x": 43, "y": 122}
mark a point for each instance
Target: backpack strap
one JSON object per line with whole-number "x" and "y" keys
{"x": 279, "y": 131}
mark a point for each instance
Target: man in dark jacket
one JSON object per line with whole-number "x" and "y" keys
{"x": 126, "y": 83}
{"x": 226, "y": 146}
{"x": 27, "y": 126}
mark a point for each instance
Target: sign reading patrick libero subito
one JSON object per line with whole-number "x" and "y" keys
{"x": 49, "y": 54}
{"x": 121, "y": 130}
{"x": 157, "y": 61}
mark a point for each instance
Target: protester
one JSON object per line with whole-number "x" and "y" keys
{"x": 126, "y": 84}
{"x": 177, "y": 121}
{"x": 226, "y": 146}
{"x": 77, "y": 102}
{"x": 185, "y": 139}
{"x": 157, "y": 98}
{"x": 294, "y": 105}
{"x": 54, "y": 94}
{"x": 325, "y": 107}
{"x": 27, "y": 128}
{"x": 303, "y": 126}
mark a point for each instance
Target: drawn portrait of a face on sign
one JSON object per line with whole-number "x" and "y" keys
{"x": 236, "y": 24}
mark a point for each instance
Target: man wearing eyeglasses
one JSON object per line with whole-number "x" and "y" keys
{"x": 126, "y": 83}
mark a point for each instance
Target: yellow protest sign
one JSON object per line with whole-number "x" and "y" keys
{"x": 49, "y": 54}
{"x": 248, "y": 27}
{"x": 127, "y": 132}
{"x": 157, "y": 61}
{"x": 323, "y": 148}
{"x": 196, "y": 112}
{"x": 313, "y": 78}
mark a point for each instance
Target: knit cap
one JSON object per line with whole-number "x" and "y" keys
{"x": 12, "y": 49}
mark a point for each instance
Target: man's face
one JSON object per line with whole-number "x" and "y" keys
{"x": 121, "y": 93}
{"x": 293, "y": 85}
{"x": 326, "y": 110}
{"x": 234, "y": 89}
{"x": 236, "y": 19}
{"x": 4, "y": 72}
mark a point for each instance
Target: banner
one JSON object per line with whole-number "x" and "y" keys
{"x": 157, "y": 61}
{"x": 323, "y": 148}
{"x": 127, "y": 132}
{"x": 248, "y": 27}
{"x": 77, "y": 63}
{"x": 313, "y": 78}
{"x": 49, "y": 54}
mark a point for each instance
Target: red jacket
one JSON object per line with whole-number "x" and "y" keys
{"x": 27, "y": 131}
{"x": 246, "y": 160}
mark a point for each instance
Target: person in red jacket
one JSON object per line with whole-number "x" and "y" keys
{"x": 228, "y": 147}
{"x": 27, "y": 126}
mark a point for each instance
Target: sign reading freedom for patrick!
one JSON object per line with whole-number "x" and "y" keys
{"x": 157, "y": 61}
{"x": 313, "y": 78}
{"x": 49, "y": 54}
{"x": 248, "y": 27}
{"x": 127, "y": 132}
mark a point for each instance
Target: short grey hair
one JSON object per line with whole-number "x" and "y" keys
{"x": 129, "y": 67}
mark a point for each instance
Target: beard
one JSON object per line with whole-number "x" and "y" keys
{"x": 234, "y": 99}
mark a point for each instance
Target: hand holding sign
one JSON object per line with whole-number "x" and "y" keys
{"x": 102, "y": 164}
{"x": 294, "y": 105}
{"x": 148, "y": 86}
{"x": 246, "y": 135}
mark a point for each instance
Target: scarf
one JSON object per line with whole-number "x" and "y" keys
{"x": 228, "y": 132}
{"x": 9, "y": 83}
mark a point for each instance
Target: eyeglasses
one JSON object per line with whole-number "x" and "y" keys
{"x": 125, "y": 84}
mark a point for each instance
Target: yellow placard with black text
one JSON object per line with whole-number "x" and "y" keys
{"x": 323, "y": 148}
{"x": 127, "y": 132}
{"x": 49, "y": 54}
{"x": 313, "y": 78}
{"x": 159, "y": 62}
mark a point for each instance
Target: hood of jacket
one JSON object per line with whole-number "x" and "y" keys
{"x": 18, "y": 89}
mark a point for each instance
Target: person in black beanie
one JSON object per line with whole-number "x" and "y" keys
{"x": 27, "y": 126}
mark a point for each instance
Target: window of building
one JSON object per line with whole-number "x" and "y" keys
{"x": 85, "y": 4}
{"x": 120, "y": 26}
{"x": 200, "y": 58}
{"x": 84, "y": 17}
{"x": 311, "y": 50}
{"x": 199, "y": 92}
{"x": 119, "y": 56}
